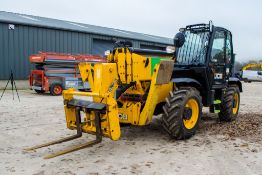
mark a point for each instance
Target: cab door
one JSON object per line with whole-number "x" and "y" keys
{"x": 229, "y": 57}
{"x": 218, "y": 58}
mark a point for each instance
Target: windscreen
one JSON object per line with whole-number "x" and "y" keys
{"x": 194, "y": 50}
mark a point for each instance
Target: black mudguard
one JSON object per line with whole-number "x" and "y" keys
{"x": 236, "y": 81}
{"x": 186, "y": 82}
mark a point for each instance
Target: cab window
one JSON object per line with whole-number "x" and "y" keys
{"x": 228, "y": 48}
{"x": 218, "y": 48}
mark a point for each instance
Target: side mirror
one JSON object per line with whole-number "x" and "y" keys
{"x": 179, "y": 40}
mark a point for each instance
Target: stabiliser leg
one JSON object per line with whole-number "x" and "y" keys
{"x": 79, "y": 134}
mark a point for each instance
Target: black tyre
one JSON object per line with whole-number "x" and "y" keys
{"x": 182, "y": 113}
{"x": 159, "y": 108}
{"x": 39, "y": 91}
{"x": 230, "y": 104}
{"x": 56, "y": 89}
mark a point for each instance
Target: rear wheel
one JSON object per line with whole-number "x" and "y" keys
{"x": 56, "y": 89}
{"x": 230, "y": 104}
{"x": 182, "y": 113}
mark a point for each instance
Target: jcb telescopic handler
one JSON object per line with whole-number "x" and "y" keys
{"x": 135, "y": 84}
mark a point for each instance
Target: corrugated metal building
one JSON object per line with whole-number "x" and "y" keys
{"x": 22, "y": 35}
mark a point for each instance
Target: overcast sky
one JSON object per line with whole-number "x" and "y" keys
{"x": 157, "y": 17}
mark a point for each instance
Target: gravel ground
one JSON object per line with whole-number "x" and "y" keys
{"x": 217, "y": 148}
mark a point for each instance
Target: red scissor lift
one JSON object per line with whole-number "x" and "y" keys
{"x": 57, "y": 71}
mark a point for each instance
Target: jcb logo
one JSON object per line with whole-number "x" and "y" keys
{"x": 122, "y": 116}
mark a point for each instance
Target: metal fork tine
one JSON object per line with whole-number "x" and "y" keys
{"x": 78, "y": 147}
{"x": 53, "y": 142}
{"x": 79, "y": 134}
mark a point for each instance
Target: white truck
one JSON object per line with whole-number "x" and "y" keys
{"x": 251, "y": 75}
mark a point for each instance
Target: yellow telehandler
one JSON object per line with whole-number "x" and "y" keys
{"x": 135, "y": 84}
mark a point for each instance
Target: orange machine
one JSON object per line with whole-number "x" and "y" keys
{"x": 57, "y": 71}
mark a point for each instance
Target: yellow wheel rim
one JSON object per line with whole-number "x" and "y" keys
{"x": 191, "y": 122}
{"x": 236, "y": 102}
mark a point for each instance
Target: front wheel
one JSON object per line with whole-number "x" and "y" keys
{"x": 230, "y": 104}
{"x": 182, "y": 113}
